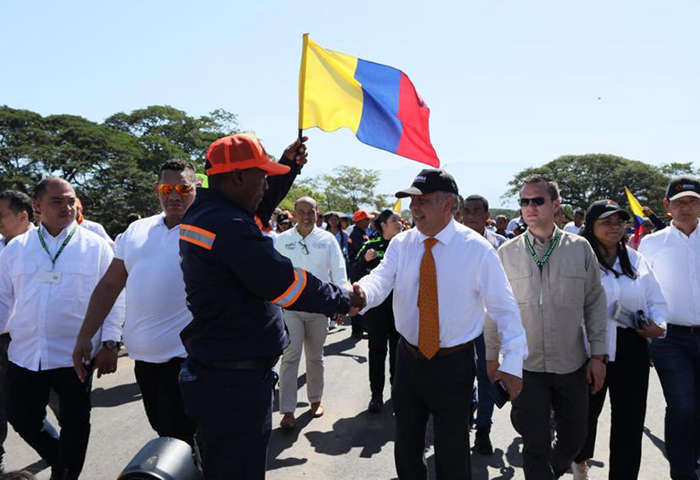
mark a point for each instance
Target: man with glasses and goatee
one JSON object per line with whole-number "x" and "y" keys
{"x": 316, "y": 251}
{"x": 147, "y": 265}
{"x": 554, "y": 276}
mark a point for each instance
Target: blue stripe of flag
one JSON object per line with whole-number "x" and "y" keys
{"x": 379, "y": 125}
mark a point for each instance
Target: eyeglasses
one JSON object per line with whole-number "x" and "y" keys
{"x": 304, "y": 248}
{"x": 166, "y": 189}
{"x": 539, "y": 201}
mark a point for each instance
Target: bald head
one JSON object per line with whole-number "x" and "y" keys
{"x": 305, "y": 200}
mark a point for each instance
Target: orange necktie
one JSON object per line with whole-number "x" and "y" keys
{"x": 429, "y": 325}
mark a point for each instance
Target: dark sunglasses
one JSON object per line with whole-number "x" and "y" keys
{"x": 166, "y": 189}
{"x": 539, "y": 201}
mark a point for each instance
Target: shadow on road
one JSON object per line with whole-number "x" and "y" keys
{"x": 658, "y": 443}
{"x": 338, "y": 349}
{"x": 368, "y": 431}
{"x": 281, "y": 440}
{"x": 115, "y": 396}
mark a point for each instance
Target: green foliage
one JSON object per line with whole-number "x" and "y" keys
{"x": 586, "y": 178}
{"x": 112, "y": 165}
{"x": 307, "y": 187}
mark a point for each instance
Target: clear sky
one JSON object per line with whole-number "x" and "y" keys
{"x": 510, "y": 84}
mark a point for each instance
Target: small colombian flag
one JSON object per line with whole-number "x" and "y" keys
{"x": 377, "y": 102}
{"x": 637, "y": 214}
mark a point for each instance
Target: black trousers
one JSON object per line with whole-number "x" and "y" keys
{"x": 627, "y": 379}
{"x": 382, "y": 333}
{"x": 567, "y": 395}
{"x": 162, "y": 399}
{"x": 27, "y": 398}
{"x": 4, "y": 364}
{"x": 233, "y": 410}
{"x": 441, "y": 386}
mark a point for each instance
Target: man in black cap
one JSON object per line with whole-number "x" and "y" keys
{"x": 674, "y": 255}
{"x": 438, "y": 318}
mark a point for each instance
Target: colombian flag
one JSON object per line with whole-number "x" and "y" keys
{"x": 637, "y": 214}
{"x": 377, "y": 102}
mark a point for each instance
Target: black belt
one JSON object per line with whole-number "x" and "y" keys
{"x": 684, "y": 329}
{"x": 257, "y": 364}
{"x": 440, "y": 353}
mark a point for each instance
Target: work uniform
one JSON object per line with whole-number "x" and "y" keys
{"x": 236, "y": 283}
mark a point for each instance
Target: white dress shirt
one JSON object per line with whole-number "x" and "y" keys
{"x": 156, "y": 310}
{"x": 98, "y": 229}
{"x": 45, "y": 317}
{"x": 675, "y": 259}
{"x": 642, "y": 293}
{"x": 318, "y": 253}
{"x": 471, "y": 282}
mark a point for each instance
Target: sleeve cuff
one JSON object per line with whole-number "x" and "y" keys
{"x": 512, "y": 364}
{"x": 598, "y": 349}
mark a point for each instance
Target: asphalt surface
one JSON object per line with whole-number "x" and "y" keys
{"x": 346, "y": 443}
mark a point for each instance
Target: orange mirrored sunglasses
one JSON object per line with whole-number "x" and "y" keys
{"x": 166, "y": 189}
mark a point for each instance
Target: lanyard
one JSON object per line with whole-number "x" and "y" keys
{"x": 541, "y": 261}
{"x": 60, "y": 250}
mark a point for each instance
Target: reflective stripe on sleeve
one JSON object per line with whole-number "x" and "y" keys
{"x": 292, "y": 294}
{"x": 197, "y": 236}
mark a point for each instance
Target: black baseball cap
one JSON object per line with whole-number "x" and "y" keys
{"x": 683, "y": 186}
{"x": 603, "y": 209}
{"x": 430, "y": 180}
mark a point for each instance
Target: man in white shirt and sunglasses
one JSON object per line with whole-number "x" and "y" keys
{"x": 318, "y": 252}
{"x": 147, "y": 266}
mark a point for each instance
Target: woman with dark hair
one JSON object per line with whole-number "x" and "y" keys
{"x": 333, "y": 225}
{"x": 379, "y": 320}
{"x": 636, "y": 313}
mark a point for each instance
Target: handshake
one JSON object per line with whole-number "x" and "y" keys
{"x": 358, "y": 299}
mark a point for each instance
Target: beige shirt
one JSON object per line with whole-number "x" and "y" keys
{"x": 554, "y": 303}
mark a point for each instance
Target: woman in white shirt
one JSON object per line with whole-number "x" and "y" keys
{"x": 633, "y": 295}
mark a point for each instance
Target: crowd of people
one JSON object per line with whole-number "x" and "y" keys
{"x": 210, "y": 293}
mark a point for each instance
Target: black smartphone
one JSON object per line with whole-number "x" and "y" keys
{"x": 499, "y": 394}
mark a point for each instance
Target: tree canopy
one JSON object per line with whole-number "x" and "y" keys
{"x": 583, "y": 179}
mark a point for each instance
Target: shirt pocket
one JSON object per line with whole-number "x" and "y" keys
{"x": 524, "y": 284}
{"x": 24, "y": 273}
{"x": 570, "y": 284}
{"x": 78, "y": 280}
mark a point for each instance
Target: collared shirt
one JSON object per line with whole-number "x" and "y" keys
{"x": 317, "y": 253}
{"x": 156, "y": 311}
{"x": 555, "y": 301}
{"x": 98, "y": 229}
{"x": 624, "y": 294}
{"x": 44, "y": 318}
{"x": 675, "y": 259}
{"x": 470, "y": 281}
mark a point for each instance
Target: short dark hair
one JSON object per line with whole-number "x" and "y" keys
{"x": 132, "y": 217}
{"x": 477, "y": 198}
{"x": 19, "y": 202}
{"x": 551, "y": 184}
{"x": 176, "y": 165}
{"x": 383, "y": 217}
{"x": 580, "y": 211}
{"x": 43, "y": 184}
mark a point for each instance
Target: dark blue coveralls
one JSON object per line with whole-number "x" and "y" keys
{"x": 236, "y": 283}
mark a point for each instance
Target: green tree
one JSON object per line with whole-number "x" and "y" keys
{"x": 586, "y": 178}
{"x": 348, "y": 188}
{"x": 307, "y": 187}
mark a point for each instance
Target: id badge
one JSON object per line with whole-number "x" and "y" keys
{"x": 50, "y": 277}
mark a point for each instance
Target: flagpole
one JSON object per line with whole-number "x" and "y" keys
{"x": 302, "y": 82}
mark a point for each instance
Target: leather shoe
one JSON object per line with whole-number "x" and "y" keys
{"x": 316, "y": 409}
{"x": 376, "y": 404}
{"x": 288, "y": 421}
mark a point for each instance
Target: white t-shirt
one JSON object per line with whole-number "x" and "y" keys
{"x": 98, "y": 229}
{"x": 156, "y": 311}
{"x": 572, "y": 228}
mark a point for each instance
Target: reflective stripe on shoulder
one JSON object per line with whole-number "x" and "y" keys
{"x": 292, "y": 294}
{"x": 197, "y": 236}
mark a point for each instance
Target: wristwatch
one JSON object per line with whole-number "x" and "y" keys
{"x": 602, "y": 358}
{"x": 111, "y": 344}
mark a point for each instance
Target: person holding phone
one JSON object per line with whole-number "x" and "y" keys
{"x": 633, "y": 295}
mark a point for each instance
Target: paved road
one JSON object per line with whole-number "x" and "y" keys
{"x": 346, "y": 443}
